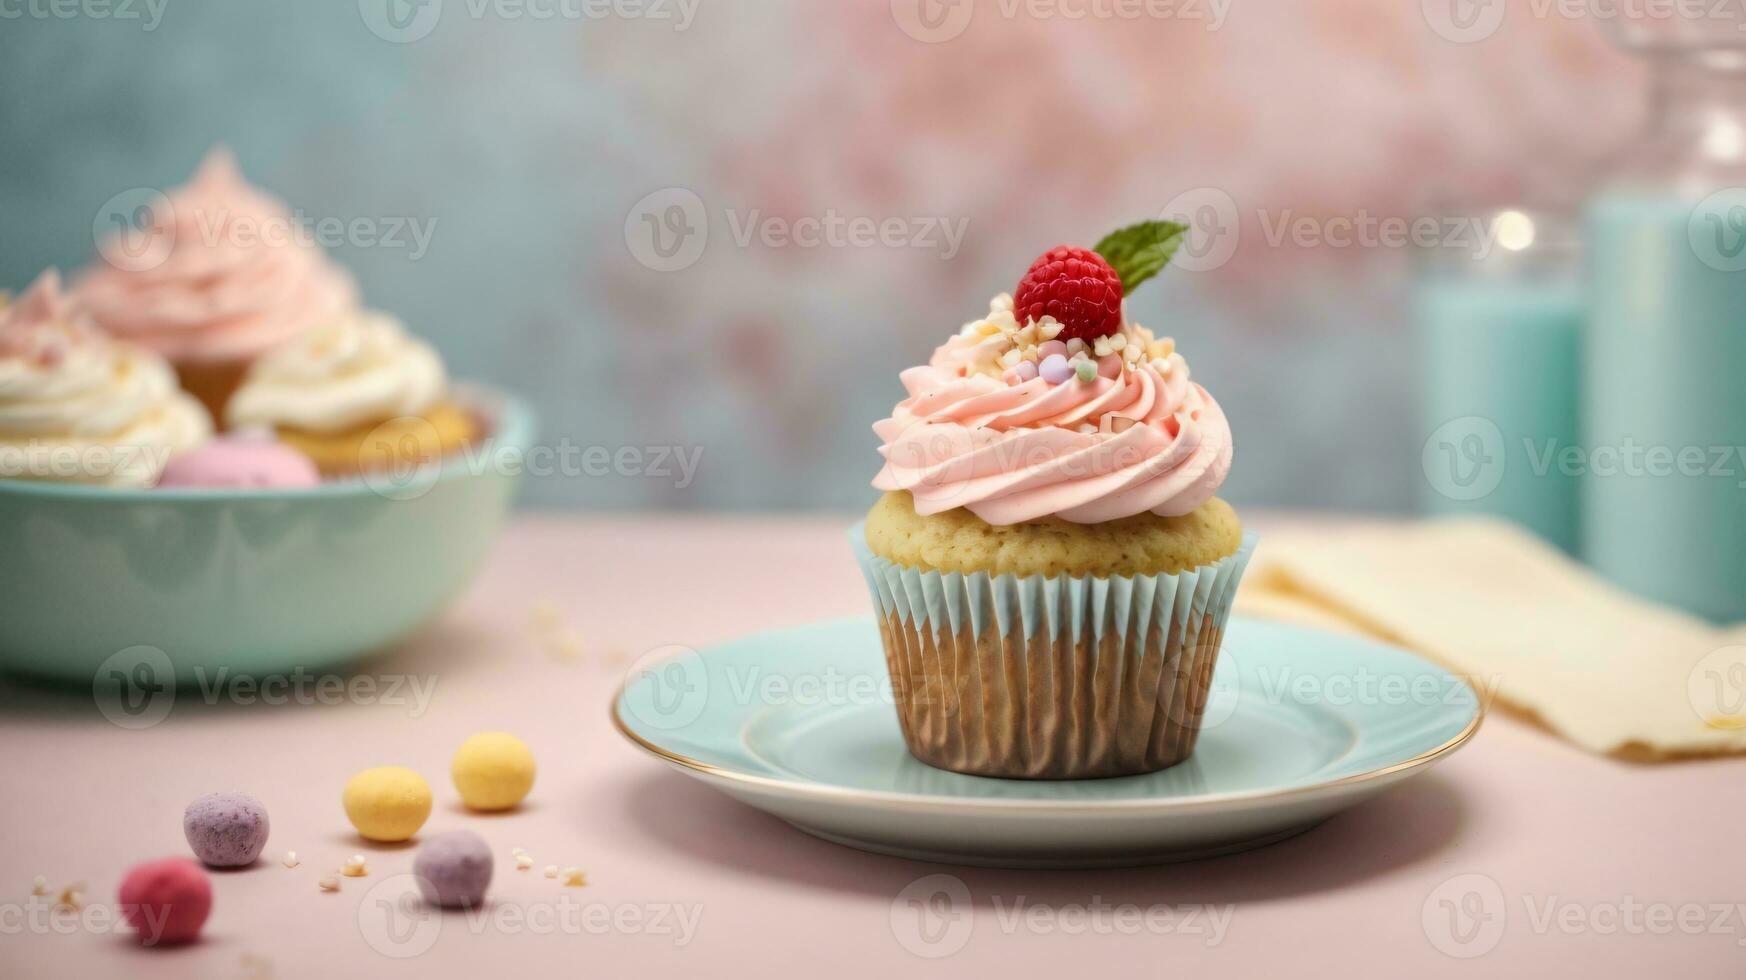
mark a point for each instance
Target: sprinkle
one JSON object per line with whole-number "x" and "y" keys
{"x": 291, "y": 859}
{"x": 329, "y": 883}
{"x": 1117, "y": 341}
{"x": 544, "y": 616}
{"x": 1101, "y": 347}
{"x": 1050, "y": 328}
{"x": 72, "y": 897}
{"x": 1055, "y": 369}
{"x": 523, "y": 862}
{"x": 355, "y": 867}
{"x": 1010, "y": 358}
{"x": 574, "y": 878}
{"x": 39, "y": 885}
{"x": 517, "y": 851}
{"x": 551, "y": 871}
{"x": 1087, "y": 370}
{"x": 1077, "y": 346}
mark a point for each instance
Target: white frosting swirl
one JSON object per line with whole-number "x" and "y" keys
{"x": 78, "y": 407}
{"x": 349, "y": 371}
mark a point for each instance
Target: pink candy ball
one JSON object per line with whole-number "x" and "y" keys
{"x": 1049, "y": 347}
{"x": 240, "y": 463}
{"x": 166, "y": 901}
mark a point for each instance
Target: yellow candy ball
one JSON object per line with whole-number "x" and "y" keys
{"x": 493, "y": 771}
{"x": 388, "y": 803}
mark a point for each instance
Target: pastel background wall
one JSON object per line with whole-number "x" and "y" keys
{"x": 526, "y": 140}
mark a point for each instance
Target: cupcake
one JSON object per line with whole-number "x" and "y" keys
{"x": 77, "y": 406}
{"x": 1050, "y": 567}
{"x": 220, "y": 275}
{"x": 358, "y": 395}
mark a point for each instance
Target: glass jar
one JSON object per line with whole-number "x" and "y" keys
{"x": 1664, "y": 352}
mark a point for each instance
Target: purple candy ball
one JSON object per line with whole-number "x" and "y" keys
{"x": 226, "y": 830}
{"x": 1055, "y": 369}
{"x": 453, "y": 869}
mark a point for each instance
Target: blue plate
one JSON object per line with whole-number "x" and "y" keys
{"x": 1301, "y": 724}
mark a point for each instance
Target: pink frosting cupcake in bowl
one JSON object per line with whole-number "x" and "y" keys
{"x": 218, "y": 276}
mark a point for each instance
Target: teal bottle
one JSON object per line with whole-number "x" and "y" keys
{"x": 1664, "y": 353}
{"x": 1497, "y": 340}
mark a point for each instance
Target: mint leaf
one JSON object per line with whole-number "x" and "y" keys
{"x": 1137, "y": 252}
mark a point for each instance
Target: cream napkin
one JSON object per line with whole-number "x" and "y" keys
{"x": 1608, "y": 671}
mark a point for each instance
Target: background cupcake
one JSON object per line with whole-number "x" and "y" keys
{"x": 357, "y": 394}
{"x": 1051, "y": 569}
{"x": 77, "y": 406}
{"x": 218, "y": 276}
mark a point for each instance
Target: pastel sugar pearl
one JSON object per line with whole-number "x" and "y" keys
{"x": 1055, "y": 369}
{"x": 388, "y": 803}
{"x": 226, "y": 830}
{"x": 1027, "y": 370}
{"x": 1050, "y": 348}
{"x": 1085, "y": 369}
{"x": 166, "y": 902}
{"x": 453, "y": 869}
{"x": 493, "y": 771}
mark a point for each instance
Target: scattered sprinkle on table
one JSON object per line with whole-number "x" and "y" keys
{"x": 355, "y": 867}
{"x": 551, "y": 871}
{"x": 574, "y": 878}
{"x": 39, "y": 885}
{"x": 329, "y": 883}
{"x": 291, "y": 859}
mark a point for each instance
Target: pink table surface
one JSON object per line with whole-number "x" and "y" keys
{"x": 1540, "y": 859}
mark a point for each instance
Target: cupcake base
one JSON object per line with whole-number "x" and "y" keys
{"x": 391, "y": 445}
{"x": 1042, "y": 708}
{"x": 1051, "y": 677}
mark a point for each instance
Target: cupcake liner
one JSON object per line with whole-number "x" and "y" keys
{"x": 1050, "y": 678}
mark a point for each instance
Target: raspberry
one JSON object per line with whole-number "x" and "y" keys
{"x": 1075, "y": 286}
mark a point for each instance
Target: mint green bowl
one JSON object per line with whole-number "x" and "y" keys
{"x": 259, "y": 582}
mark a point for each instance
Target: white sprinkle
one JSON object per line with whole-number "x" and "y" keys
{"x": 355, "y": 867}
{"x": 329, "y": 883}
{"x": 1118, "y": 341}
{"x": 551, "y": 871}
{"x": 39, "y": 885}
{"x": 523, "y": 862}
{"x": 291, "y": 859}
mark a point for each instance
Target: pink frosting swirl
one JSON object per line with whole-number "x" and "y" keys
{"x": 222, "y": 273}
{"x": 1141, "y": 437}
